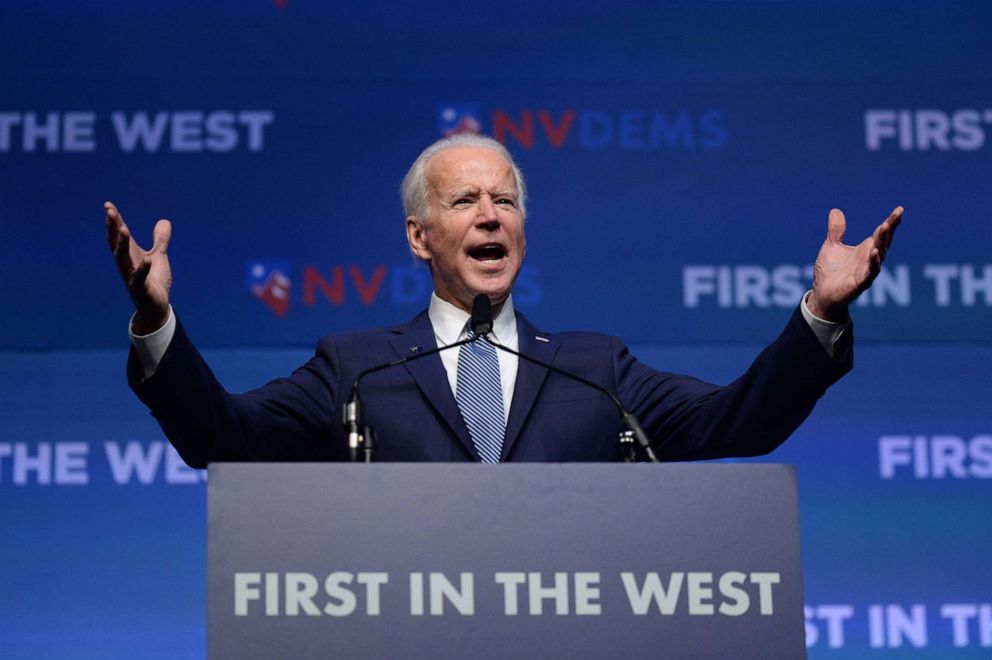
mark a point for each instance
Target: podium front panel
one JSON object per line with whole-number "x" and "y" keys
{"x": 482, "y": 561}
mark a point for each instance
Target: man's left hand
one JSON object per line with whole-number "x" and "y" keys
{"x": 843, "y": 272}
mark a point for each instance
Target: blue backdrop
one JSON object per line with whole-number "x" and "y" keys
{"x": 681, "y": 161}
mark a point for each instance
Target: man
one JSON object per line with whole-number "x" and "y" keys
{"x": 465, "y": 201}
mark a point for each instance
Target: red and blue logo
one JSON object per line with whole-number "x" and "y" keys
{"x": 628, "y": 129}
{"x": 269, "y": 282}
{"x": 455, "y": 118}
{"x": 342, "y": 285}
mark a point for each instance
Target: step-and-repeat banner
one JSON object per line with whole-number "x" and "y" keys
{"x": 681, "y": 163}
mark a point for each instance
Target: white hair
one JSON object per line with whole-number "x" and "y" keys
{"x": 416, "y": 191}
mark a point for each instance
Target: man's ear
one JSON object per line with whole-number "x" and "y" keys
{"x": 415, "y": 236}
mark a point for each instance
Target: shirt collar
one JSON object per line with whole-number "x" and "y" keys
{"x": 450, "y": 322}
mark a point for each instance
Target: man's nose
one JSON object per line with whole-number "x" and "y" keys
{"x": 487, "y": 210}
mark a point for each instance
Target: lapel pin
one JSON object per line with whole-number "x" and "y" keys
{"x": 414, "y": 349}
{"x": 540, "y": 338}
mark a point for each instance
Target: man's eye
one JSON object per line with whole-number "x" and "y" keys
{"x": 462, "y": 200}
{"x": 506, "y": 201}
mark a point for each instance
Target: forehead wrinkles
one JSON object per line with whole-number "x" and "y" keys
{"x": 473, "y": 175}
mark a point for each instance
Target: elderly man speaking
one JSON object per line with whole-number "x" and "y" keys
{"x": 464, "y": 200}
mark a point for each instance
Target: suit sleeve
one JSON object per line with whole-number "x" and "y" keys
{"x": 288, "y": 419}
{"x": 688, "y": 419}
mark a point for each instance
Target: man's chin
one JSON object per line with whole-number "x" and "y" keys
{"x": 497, "y": 294}
{"x": 463, "y": 294}
{"x": 496, "y": 297}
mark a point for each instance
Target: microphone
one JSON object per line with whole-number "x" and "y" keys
{"x": 359, "y": 437}
{"x": 481, "y": 322}
{"x": 485, "y": 311}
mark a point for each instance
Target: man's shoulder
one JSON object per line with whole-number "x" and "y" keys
{"x": 578, "y": 339}
{"x": 583, "y": 337}
{"x": 375, "y": 336}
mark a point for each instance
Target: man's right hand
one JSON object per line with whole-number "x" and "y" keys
{"x": 146, "y": 273}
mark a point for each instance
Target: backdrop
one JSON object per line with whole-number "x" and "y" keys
{"x": 681, "y": 159}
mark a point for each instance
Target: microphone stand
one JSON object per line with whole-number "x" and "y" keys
{"x": 627, "y": 438}
{"x": 361, "y": 438}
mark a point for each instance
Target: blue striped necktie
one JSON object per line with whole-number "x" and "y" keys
{"x": 480, "y": 398}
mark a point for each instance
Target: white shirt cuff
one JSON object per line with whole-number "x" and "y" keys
{"x": 828, "y": 332}
{"x": 151, "y": 347}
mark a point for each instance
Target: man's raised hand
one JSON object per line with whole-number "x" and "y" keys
{"x": 843, "y": 272}
{"x": 146, "y": 273}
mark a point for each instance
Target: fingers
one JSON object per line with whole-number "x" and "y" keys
{"x": 884, "y": 233}
{"x": 891, "y": 223}
{"x": 121, "y": 246}
{"x": 896, "y": 216}
{"x": 130, "y": 264}
{"x": 114, "y": 224}
{"x": 137, "y": 282}
{"x": 161, "y": 234}
{"x": 868, "y": 271}
{"x": 836, "y": 225}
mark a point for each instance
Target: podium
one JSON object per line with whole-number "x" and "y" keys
{"x": 503, "y": 561}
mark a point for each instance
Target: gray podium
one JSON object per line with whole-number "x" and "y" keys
{"x": 507, "y": 561}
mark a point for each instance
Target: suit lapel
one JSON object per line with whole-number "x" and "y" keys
{"x": 530, "y": 378}
{"x": 430, "y": 376}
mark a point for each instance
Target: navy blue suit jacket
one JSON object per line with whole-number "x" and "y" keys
{"x": 551, "y": 418}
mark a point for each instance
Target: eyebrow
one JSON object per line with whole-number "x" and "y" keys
{"x": 460, "y": 192}
{"x": 475, "y": 190}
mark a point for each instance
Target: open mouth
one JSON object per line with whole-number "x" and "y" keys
{"x": 490, "y": 252}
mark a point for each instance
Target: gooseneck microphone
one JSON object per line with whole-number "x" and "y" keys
{"x": 361, "y": 439}
{"x": 483, "y": 305}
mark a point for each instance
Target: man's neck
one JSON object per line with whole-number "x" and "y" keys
{"x": 449, "y": 320}
{"x": 496, "y": 307}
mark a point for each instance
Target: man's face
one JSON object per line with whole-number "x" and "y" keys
{"x": 474, "y": 238}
